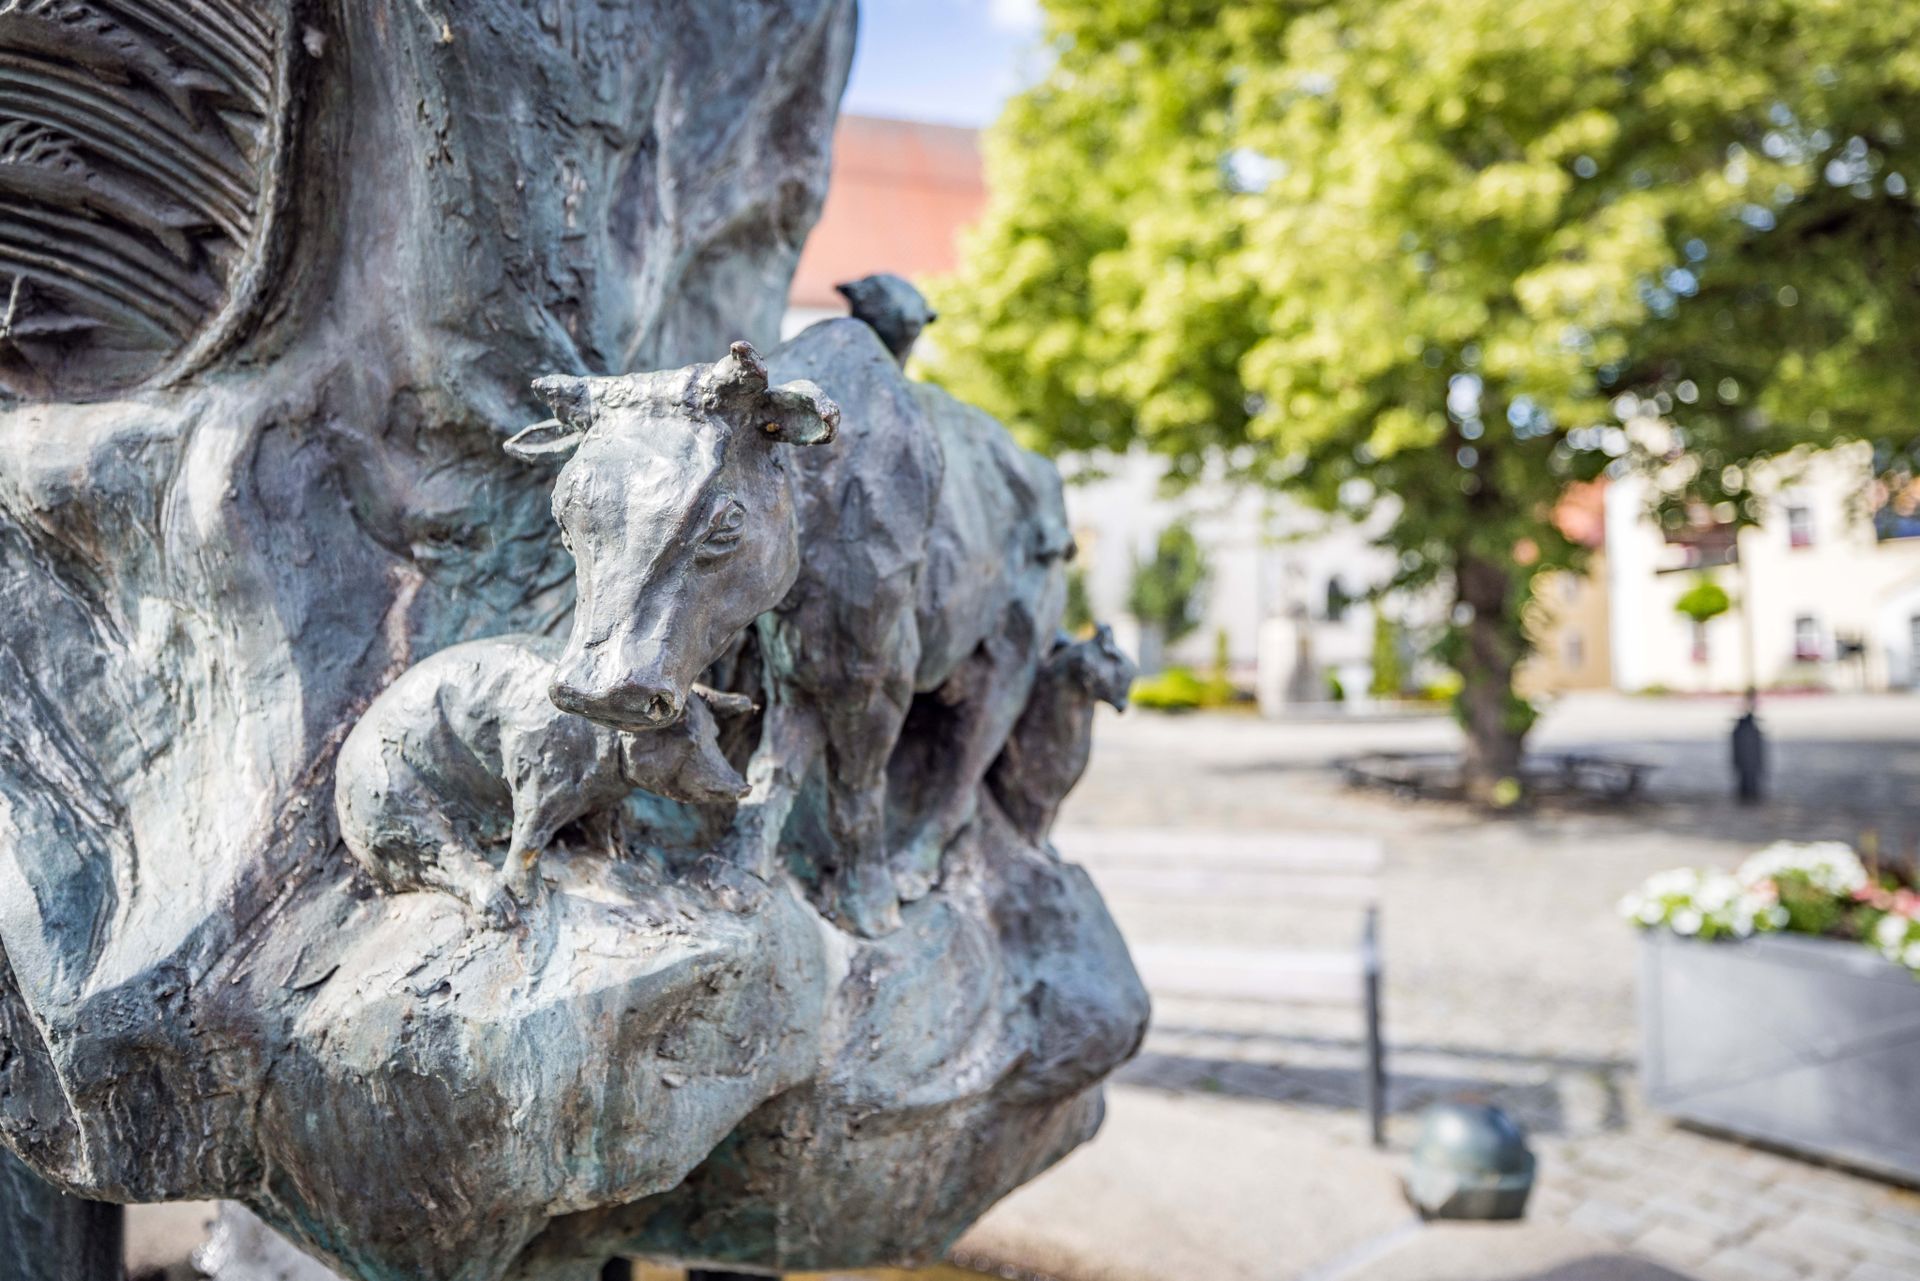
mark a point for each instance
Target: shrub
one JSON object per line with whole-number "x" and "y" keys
{"x": 1220, "y": 690}
{"x": 1389, "y": 677}
{"x": 1179, "y": 689}
{"x": 1176, "y": 689}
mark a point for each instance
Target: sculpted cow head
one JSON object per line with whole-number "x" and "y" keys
{"x": 676, "y": 504}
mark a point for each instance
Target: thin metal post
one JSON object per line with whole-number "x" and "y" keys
{"x": 1376, "y": 1070}
{"x": 46, "y": 1235}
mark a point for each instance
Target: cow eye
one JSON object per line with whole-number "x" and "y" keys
{"x": 723, "y": 535}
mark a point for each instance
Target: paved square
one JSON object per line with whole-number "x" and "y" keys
{"x": 1236, "y": 1143}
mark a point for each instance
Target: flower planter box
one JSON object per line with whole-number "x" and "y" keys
{"x": 1805, "y": 1043}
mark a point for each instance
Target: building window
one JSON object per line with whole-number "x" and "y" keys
{"x": 1806, "y": 639}
{"x": 1799, "y": 524}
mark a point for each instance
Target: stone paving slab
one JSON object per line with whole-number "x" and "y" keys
{"x": 1506, "y": 1252}
{"x": 1195, "y": 1187}
{"x": 162, "y": 1238}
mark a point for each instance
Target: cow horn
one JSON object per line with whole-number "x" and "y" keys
{"x": 568, "y": 396}
{"x": 742, "y": 370}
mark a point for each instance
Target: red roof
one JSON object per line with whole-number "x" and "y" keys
{"x": 899, "y": 195}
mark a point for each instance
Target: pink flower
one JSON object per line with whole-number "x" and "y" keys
{"x": 1902, "y": 901}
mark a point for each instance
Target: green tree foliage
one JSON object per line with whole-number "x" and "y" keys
{"x": 1077, "y": 617}
{"x": 1443, "y": 249}
{"x": 1220, "y": 691}
{"x": 1703, "y": 602}
{"x": 1389, "y": 673}
{"x": 1168, "y": 587}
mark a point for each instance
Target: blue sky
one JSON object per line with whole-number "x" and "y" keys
{"x": 952, "y": 61}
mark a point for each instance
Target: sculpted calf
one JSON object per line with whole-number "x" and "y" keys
{"x": 465, "y": 753}
{"x": 913, "y": 567}
{"x": 1049, "y": 748}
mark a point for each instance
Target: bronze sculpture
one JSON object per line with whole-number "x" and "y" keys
{"x": 223, "y": 538}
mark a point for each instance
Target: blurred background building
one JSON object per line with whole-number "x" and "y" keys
{"x": 1572, "y": 615}
{"x": 901, "y": 192}
{"x": 1823, "y": 594}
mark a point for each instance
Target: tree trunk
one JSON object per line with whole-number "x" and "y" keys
{"x": 1491, "y": 650}
{"x": 46, "y": 1235}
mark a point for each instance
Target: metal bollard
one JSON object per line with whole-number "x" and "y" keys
{"x": 1376, "y": 1069}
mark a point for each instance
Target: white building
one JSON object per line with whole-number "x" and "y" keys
{"x": 1823, "y": 593}
{"x": 1286, "y": 584}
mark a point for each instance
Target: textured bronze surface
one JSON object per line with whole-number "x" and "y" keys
{"x": 137, "y": 147}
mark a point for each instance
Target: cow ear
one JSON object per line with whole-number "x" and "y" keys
{"x": 798, "y": 413}
{"x": 549, "y": 442}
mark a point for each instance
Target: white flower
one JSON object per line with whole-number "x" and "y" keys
{"x": 1677, "y": 883}
{"x": 1715, "y": 891}
{"x": 1828, "y": 865}
{"x": 1713, "y": 905}
{"x": 1703, "y": 904}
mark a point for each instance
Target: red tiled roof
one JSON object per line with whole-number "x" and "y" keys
{"x": 899, "y": 195}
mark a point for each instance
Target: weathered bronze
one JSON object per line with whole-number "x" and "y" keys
{"x": 371, "y": 850}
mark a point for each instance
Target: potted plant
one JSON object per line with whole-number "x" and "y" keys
{"x": 1779, "y": 1003}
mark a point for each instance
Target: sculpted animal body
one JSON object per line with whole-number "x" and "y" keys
{"x": 911, "y": 567}
{"x": 466, "y": 752}
{"x": 1049, "y": 748}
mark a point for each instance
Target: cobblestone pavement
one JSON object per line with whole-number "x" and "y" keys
{"x": 1509, "y": 977}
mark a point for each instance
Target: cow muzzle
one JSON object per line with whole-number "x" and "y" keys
{"x": 629, "y": 702}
